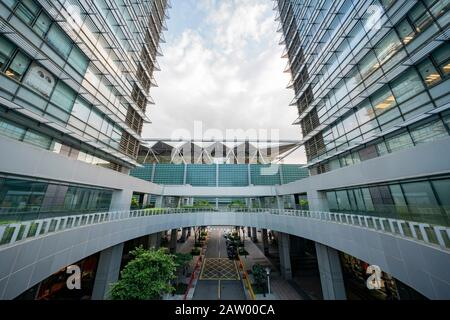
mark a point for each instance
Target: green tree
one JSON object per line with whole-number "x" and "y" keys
{"x": 146, "y": 277}
{"x": 182, "y": 261}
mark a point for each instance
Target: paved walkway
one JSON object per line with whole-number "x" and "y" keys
{"x": 281, "y": 289}
{"x": 219, "y": 278}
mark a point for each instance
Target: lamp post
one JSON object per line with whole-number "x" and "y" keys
{"x": 268, "y": 279}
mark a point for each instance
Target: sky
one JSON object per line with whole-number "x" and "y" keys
{"x": 222, "y": 70}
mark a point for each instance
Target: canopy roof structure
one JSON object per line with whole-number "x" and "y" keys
{"x": 209, "y": 152}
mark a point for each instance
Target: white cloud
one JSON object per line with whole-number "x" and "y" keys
{"x": 227, "y": 74}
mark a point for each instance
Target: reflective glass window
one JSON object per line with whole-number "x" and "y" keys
{"x": 78, "y": 60}
{"x": 442, "y": 188}
{"x": 429, "y": 132}
{"x": 59, "y": 40}
{"x": 6, "y": 50}
{"x": 42, "y": 24}
{"x": 81, "y": 110}
{"x": 420, "y": 17}
{"x": 387, "y": 47}
{"x": 63, "y": 96}
{"x": 405, "y": 31}
{"x": 368, "y": 64}
{"x": 18, "y": 66}
{"x": 428, "y": 72}
{"x": 95, "y": 120}
{"x": 37, "y": 139}
{"x": 11, "y": 130}
{"x": 399, "y": 142}
{"x": 383, "y": 100}
{"x": 407, "y": 85}
{"x": 27, "y": 10}
{"x": 442, "y": 58}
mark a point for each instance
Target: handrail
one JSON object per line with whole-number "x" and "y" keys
{"x": 430, "y": 234}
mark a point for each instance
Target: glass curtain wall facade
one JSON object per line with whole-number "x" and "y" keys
{"x": 219, "y": 175}
{"x": 371, "y": 77}
{"x": 83, "y": 68}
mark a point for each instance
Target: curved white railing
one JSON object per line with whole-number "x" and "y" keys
{"x": 427, "y": 233}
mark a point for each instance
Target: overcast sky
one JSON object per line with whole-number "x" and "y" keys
{"x": 222, "y": 68}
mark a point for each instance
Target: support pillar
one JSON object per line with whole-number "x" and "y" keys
{"x": 285, "y": 258}
{"x": 121, "y": 200}
{"x": 317, "y": 201}
{"x": 331, "y": 278}
{"x": 254, "y": 235}
{"x": 173, "y": 241}
{"x": 280, "y": 202}
{"x": 153, "y": 241}
{"x": 183, "y": 234}
{"x": 265, "y": 242}
{"x": 107, "y": 271}
{"x": 249, "y": 232}
{"x": 159, "y": 202}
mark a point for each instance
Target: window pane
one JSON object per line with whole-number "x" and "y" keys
{"x": 387, "y": 47}
{"x": 442, "y": 58}
{"x": 25, "y": 14}
{"x": 420, "y": 17}
{"x": 407, "y": 85}
{"x": 11, "y": 130}
{"x": 6, "y": 50}
{"x": 365, "y": 113}
{"x": 95, "y": 120}
{"x": 442, "y": 188}
{"x": 429, "y": 132}
{"x": 368, "y": 65}
{"x": 63, "y": 96}
{"x": 18, "y": 66}
{"x": 37, "y": 139}
{"x": 428, "y": 72}
{"x": 81, "y": 110}
{"x": 399, "y": 142}
{"x": 383, "y": 100}
{"x": 405, "y": 31}
{"x": 78, "y": 60}
{"x": 42, "y": 24}
{"x": 59, "y": 41}
{"x": 420, "y": 197}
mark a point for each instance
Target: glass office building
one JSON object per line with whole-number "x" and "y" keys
{"x": 75, "y": 79}
{"x": 371, "y": 78}
{"x": 75, "y": 76}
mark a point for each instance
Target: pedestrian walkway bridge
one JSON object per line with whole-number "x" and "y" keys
{"x": 417, "y": 254}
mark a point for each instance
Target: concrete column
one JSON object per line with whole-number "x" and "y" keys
{"x": 265, "y": 240}
{"x": 254, "y": 235}
{"x": 159, "y": 202}
{"x": 249, "y": 232}
{"x": 292, "y": 202}
{"x": 285, "y": 258}
{"x": 317, "y": 201}
{"x": 153, "y": 241}
{"x": 183, "y": 234}
{"x": 280, "y": 202}
{"x": 330, "y": 273}
{"x": 121, "y": 200}
{"x": 173, "y": 241}
{"x": 217, "y": 203}
{"x": 107, "y": 271}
